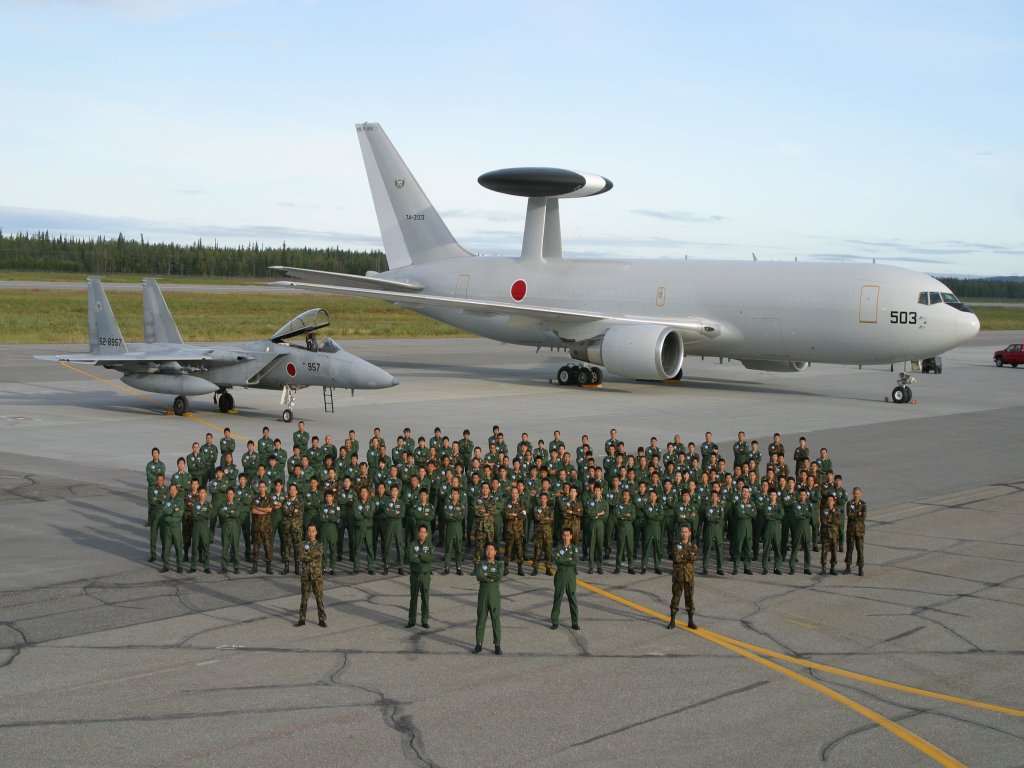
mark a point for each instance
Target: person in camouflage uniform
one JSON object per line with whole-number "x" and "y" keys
{"x": 567, "y": 557}
{"x": 484, "y": 534}
{"x": 830, "y": 517}
{"x": 514, "y": 515}
{"x": 856, "y": 512}
{"x": 684, "y": 559}
{"x": 420, "y": 557}
{"x": 261, "y": 509}
{"x": 292, "y": 508}
{"x": 311, "y": 557}
{"x": 572, "y": 515}
{"x": 543, "y": 524}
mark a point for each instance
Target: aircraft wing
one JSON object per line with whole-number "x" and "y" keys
{"x": 184, "y": 355}
{"x": 558, "y": 320}
{"x": 351, "y": 281}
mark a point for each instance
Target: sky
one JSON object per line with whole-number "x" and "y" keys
{"x": 823, "y": 131}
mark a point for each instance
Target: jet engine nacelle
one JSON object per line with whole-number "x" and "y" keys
{"x": 635, "y": 351}
{"x": 169, "y": 384}
{"x": 778, "y": 366}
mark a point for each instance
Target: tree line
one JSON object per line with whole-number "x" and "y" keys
{"x": 986, "y": 287}
{"x": 41, "y": 252}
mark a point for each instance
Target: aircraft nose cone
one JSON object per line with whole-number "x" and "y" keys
{"x": 967, "y": 326}
{"x": 372, "y": 377}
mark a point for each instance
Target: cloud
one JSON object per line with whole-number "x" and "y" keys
{"x": 879, "y": 259}
{"x": 685, "y": 216}
{"x": 141, "y": 10}
{"x": 483, "y": 214}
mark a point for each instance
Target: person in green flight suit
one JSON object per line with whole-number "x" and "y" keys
{"x": 566, "y": 557}
{"x": 155, "y": 498}
{"x": 330, "y": 516}
{"x": 202, "y": 511}
{"x": 802, "y": 512}
{"x": 154, "y": 467}
{"x": 772, "y": 530}
{"x": 684, "y": 561}
{"x": 172, "y": 511}
{"x": 420, "y": 557}
{"x": 454, "y": 513}
{"x": 597, "y": 514}
{"x": 362, "y": 513}
{"x": 714, "y": 524}
{"x": 311, "y": 558}
{"x": 394, "y": 530}
{"x": 653, "y": 513}
{"x": 624, "y": 514}
{"x": 745, "y": 511}
{"x": 230, "y": 528}
{"x": 488, "y": 600}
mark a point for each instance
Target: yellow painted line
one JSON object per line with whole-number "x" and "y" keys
{"x": 926, "y": 748}
{"x": 868, "y": 679}
{"x": 141, "y": 396}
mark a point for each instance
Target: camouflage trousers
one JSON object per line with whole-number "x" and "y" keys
{"x": 484, "y": 536}
{"x": 292, "y": 538}
{"x": 315, "y": 583}
{"x": 261, "y": 535}
{"x": 681, "y": 588}
{"x": 829, "y": 545}
{"x": 542, "y": 544}
{"x": 573, "y": 524}
{"x": 514, "y": 544}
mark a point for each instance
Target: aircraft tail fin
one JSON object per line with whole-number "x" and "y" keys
{"x": 158, "y": 325}
{"x": 412, "y": 229}
{"x": 104, "y": 333}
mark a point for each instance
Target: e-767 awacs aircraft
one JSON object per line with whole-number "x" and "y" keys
{"x": 164, "y": 363}
{"x": 636, "y": 317}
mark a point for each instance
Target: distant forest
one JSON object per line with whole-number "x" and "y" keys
{"x": 120, "y": 256}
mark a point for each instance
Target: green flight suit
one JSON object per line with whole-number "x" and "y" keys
{"x": 624, "y": 514}
{"x": 154, "y": 499}
{"x": 230, "y": 528}
{"x": 453, "y": 515}
{"x": 171, "y": 513}
{"x": 488, "y": 600}
{"x": 394, "y": 532}
{"x": 420, "y": 558}
{"x": 327, "y": 533}
{"x": 772, "y": 534}
{"x": 654, "y": 514}
{"x": 201, "y": 514}
{"x": 362, "y": 513}
{"x": 802, "y": 513}
{"x": 566, "y": 562}
{"x": 714, "y": 522}
{"x": 597, "y": 514}
{"x": 743, "y": 532}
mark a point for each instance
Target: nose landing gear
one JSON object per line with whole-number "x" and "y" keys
{"x": 902, "y": 393}
{"x": 288, "y": 401}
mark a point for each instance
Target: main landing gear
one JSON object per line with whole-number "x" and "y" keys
{"x": 180, "y": 405}
{"x": 288, "y": 400}
{"x": 902, "y": 393}
{"x": 224, "y": 400}
{"x": 579, "y": 375}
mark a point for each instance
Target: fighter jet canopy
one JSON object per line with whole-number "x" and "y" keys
{"x": 310, "y": 320}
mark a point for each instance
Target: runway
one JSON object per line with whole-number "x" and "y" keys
{"x": 105, "y": 661}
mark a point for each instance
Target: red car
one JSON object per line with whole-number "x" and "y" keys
{"x": 1013, "y": 354}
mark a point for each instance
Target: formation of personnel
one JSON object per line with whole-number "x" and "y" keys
{"x": 460, "y": 497}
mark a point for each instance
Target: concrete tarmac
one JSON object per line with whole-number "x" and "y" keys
{"x": 106, "y": 661}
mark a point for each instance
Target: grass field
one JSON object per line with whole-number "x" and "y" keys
{"x": 79, "y": 277}
{"x": 60, "y": 317}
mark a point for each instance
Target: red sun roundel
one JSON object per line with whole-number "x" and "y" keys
{"x": 291, "y": 369}
{"x": 519, "y": 290}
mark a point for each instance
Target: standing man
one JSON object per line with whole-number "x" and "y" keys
{"x": 543, "y": 519}
{"x": 330, "y": 516}
{"x": 624, "y": 514}
{"x": 514, "y": 515}
{"x": 420, "y": 556}
{"x": 155, "y": 498}
{"x": 311, "y": 557}
{"x": 261, "y": 509}
{"x": 488, "y": 600}
{"x": 802, "y": 512}
{"x": 745, "y": 512}
{"x": 566, "y": 557}
{"x": 362, "y": 513}
{"x": 394, "y": 530}
{"x": 684, "y": 559}
{"x": 856, "y": 512}
{"x": 202, "y": 512}
{"x": 830, "y": 517}
{"x": 484, "y": 534}
{"x": 230, "y": 529}
{"x": 653, "y": 513}
{"x": 714, "y": 525}
{"x": 171, "y": 512}
{"x": 772, "y": 530}
{"x": 597, "y": 513}
{"x": 454, "y": 513}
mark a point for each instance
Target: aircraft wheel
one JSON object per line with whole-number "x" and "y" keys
{"x": 582, "y": 376}
{"x": 597, "y": 375}
{"x": 564, "y": 376}
{"x": 226, "y": 402}
{"x": 180, "y": 405}
{"x": 910, "y": 394}
{"x": 999, "y": 362}
{"x": 287, "y": 415}
{"x": 899, "y": 395}
{"x": 1013, "y": 365}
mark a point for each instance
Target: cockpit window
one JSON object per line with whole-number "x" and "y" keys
{"x": 954, "y": 302}
{"x": 329, "y": 345}
{"x": 934, "y": 298}
{"x": 922, "y": 298}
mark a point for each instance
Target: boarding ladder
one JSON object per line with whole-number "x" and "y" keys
{"x": 328, "y": 399}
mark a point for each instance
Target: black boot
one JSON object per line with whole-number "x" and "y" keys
{"x": 295, "y": 567}
{"x": 477, "y": 648}
{"x": 497, "y": 650}
{"x": 847, "y": 571}
{"x": 285, "y": 573}
{"x": 253, "y": 569}
{"x": 672, "y": 621}
{"x": 300, "y": 623}
{"x": 822, "y": 569}
{"x": 269, "y": 571}
{"x": 689, "y": 622}
{"x": 860, "y": 570}
{"x": 832, "y": 570}
{"x": 536, "y": 570}
{"x": 521, "y": 570}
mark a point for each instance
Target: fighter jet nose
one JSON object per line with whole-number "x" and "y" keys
{"x": 967, "y": 326}
{"x": 373, "y": 377}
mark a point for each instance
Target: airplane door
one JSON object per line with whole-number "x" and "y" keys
{"x": 461, "y": 286}
{"x": 869, "y": 303}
